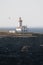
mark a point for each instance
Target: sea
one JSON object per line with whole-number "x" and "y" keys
{"x": 35, "y": 30}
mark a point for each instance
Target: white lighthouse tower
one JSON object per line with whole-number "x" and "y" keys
{"x": 21, "y": 28}
{"x": 20, "y": 22}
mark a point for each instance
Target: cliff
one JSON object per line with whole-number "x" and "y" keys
{"x": 21, "y": 50}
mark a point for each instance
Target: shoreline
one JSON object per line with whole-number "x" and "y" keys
{"x": 29, "y": 34}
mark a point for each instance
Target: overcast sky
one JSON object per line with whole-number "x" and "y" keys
{"x": 31, "y": 12}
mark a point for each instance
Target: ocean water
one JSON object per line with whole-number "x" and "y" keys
{"x": 37, "y": 30}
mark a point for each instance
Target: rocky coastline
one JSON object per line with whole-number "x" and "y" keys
{"x": 21, "y": 50}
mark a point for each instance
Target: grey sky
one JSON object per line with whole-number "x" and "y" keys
{"x": 31, "y": 12}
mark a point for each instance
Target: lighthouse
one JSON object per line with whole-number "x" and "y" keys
{"x": 20, "y": 22}
{"x": 21, "y": 28}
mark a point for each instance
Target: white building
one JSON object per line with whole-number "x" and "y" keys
{"x": 20, "y": 28}
{"x": 12, "y": 31}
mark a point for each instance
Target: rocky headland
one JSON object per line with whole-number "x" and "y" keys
{"x": 17, "y": 50}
